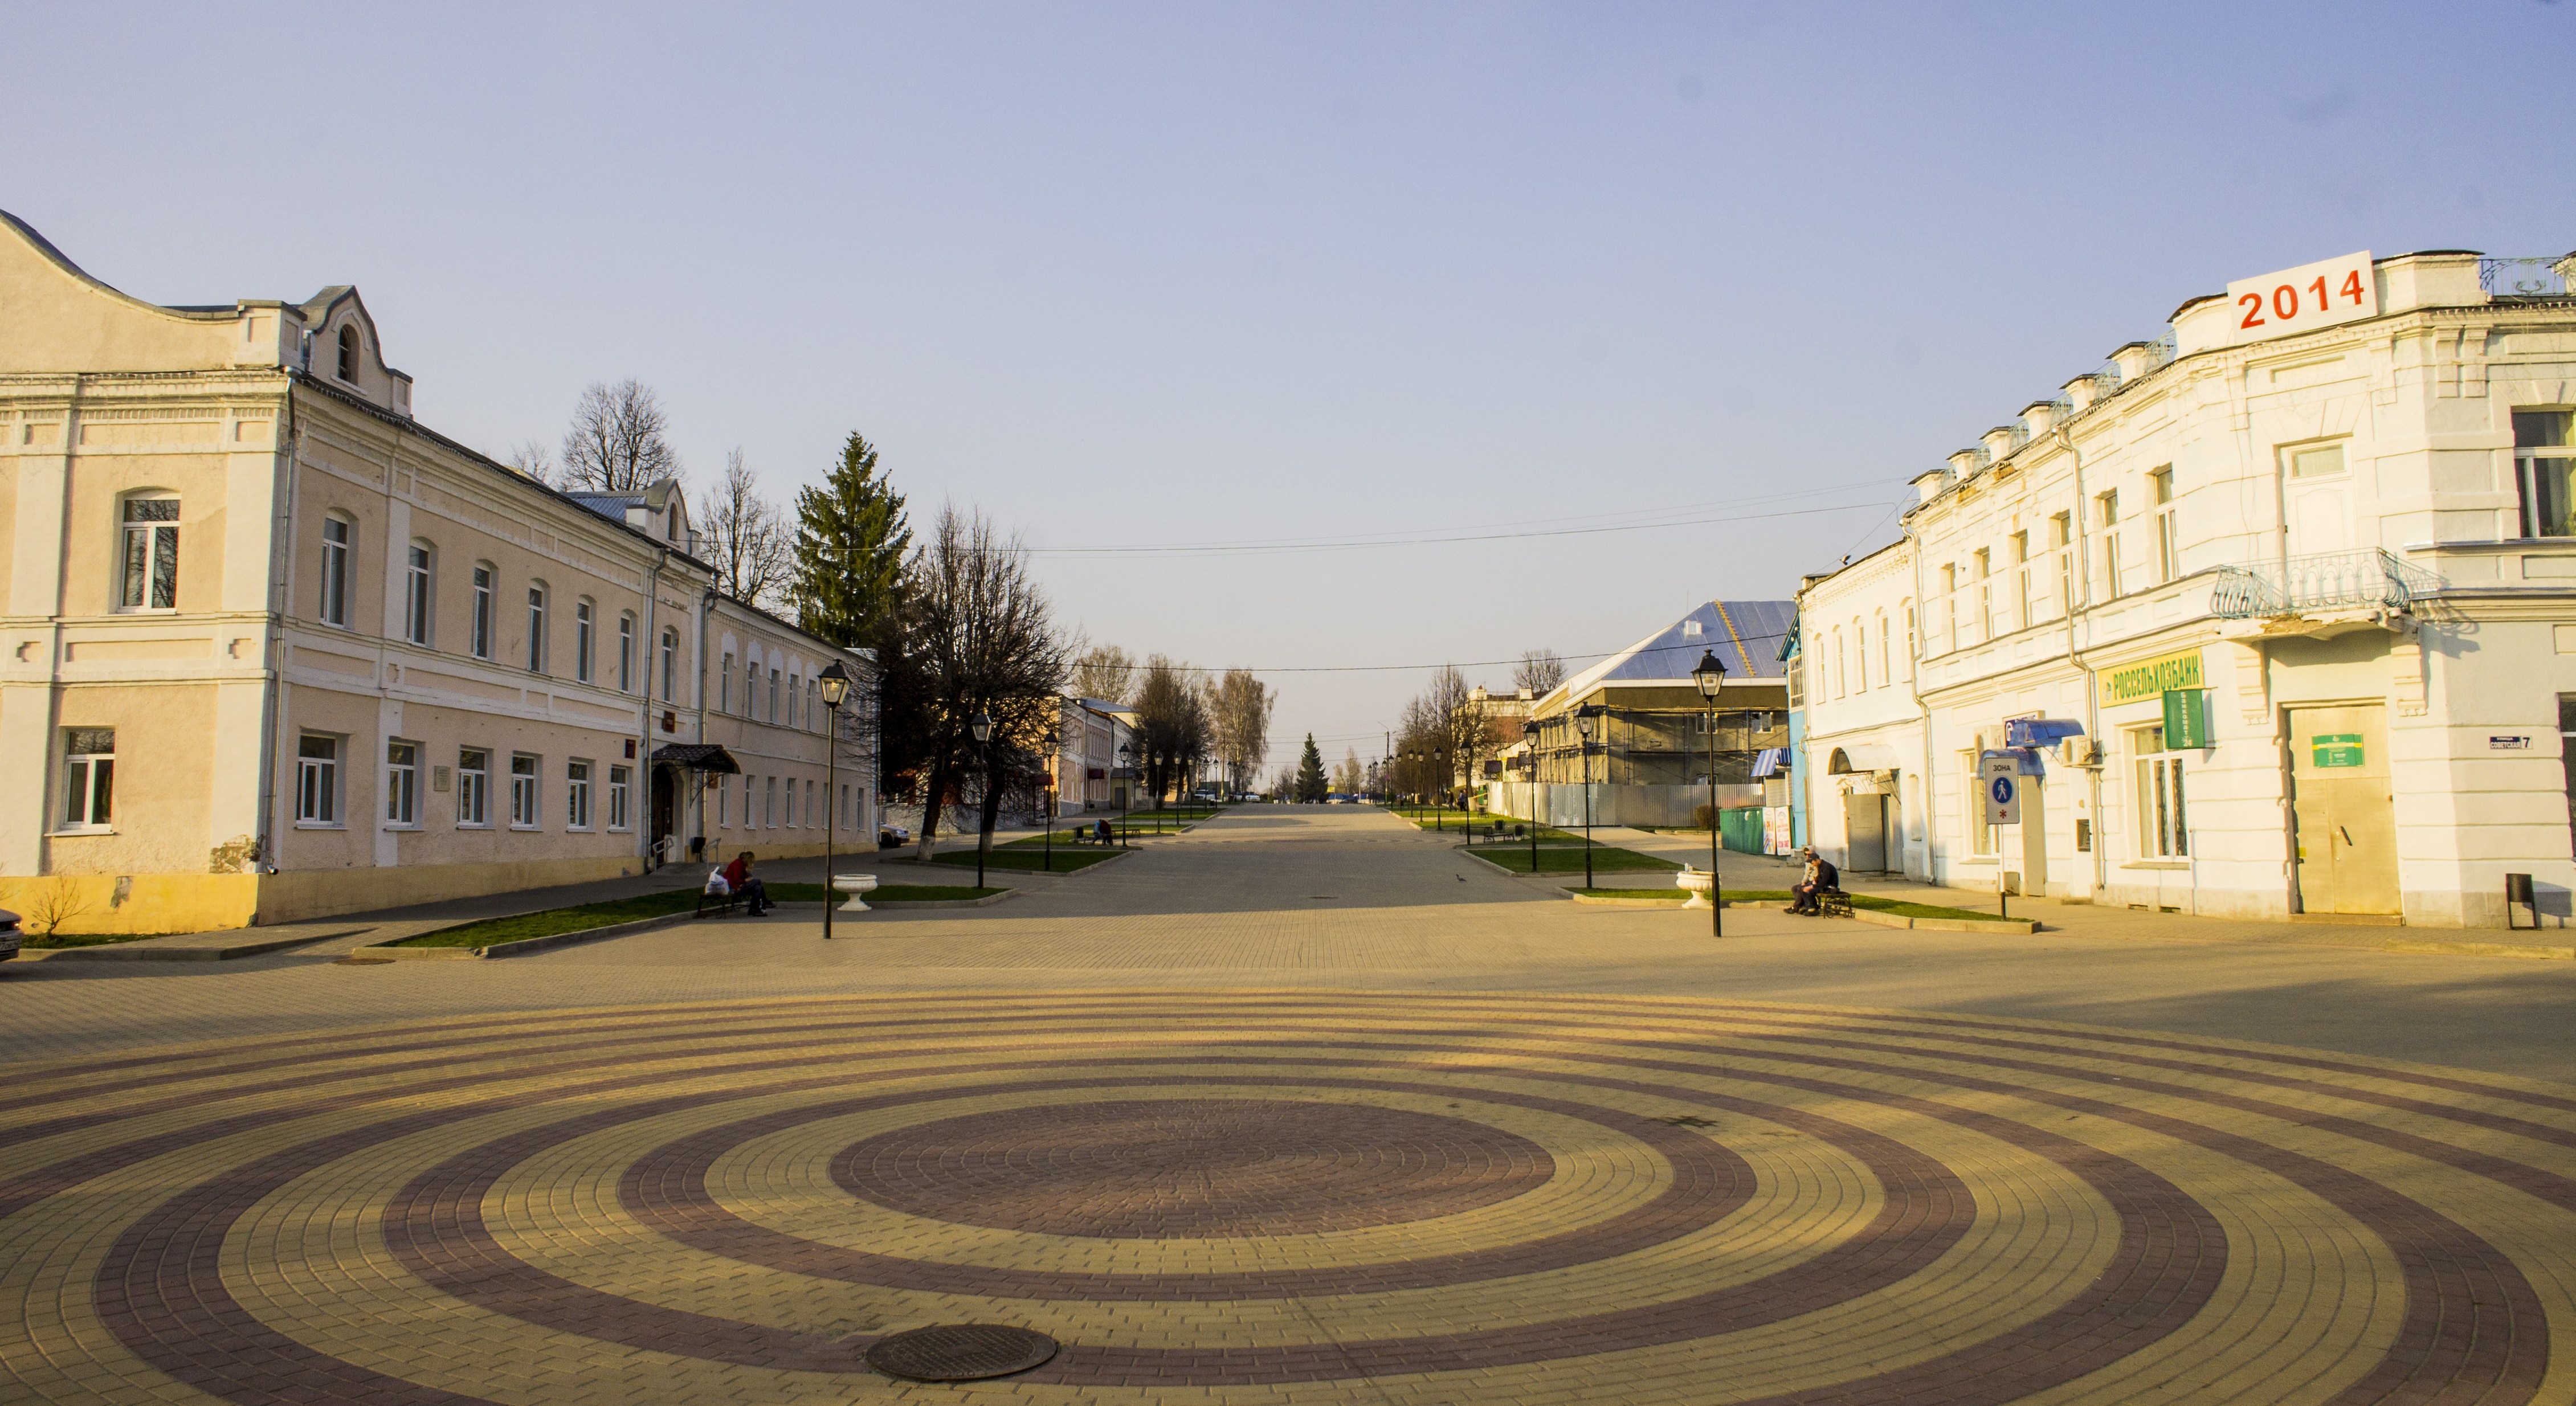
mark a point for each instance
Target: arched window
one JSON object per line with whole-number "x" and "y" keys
{"x": 151, "y": 575}
{"x": 349, "y": 352}
{"x": 670, "y": 665}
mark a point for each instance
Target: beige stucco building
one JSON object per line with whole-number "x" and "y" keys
{"x": 274, "y": 649}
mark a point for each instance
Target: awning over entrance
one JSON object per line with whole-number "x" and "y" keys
{"x": 1861, "y": 756}
{"x": 697, "y": 756}
{"x": 1770, "y": 762}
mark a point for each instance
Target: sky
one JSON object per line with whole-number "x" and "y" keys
{"x": 1576, "y": 315}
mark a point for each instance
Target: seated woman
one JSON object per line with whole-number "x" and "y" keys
{"x": 1820, "y": 876}
{"x": 755, "y": 894}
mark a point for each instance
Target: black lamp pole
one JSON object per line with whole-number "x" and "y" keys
{"x": 835, "y": 683}
{"x": 1711, "y": 677}
{"x": 1583, "y": 724}
{"x": 1529, "y": 733}
{"x": 1053, "y": 758}
{"x": 982, "y": 723}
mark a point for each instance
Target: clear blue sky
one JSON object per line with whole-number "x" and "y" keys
{"x": 1129, "y": 274}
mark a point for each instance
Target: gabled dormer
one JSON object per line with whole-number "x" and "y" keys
{"x": 338, "y": 346}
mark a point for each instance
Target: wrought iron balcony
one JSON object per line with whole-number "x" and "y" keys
{"x": 2524, "y": 278}
{"x": 2365, "y": 578}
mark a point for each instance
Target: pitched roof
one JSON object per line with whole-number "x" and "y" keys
{"x": 1745, "y": 634}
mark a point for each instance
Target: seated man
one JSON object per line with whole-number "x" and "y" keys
{"x": 755, "y": 894}
{"x": 1101, "y": 831}
{"x": 1820, "y": 876}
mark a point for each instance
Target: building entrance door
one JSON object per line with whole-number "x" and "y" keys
{"x": 2343, "y": 814}
{"x": 1865, "y": 832}
{"x": 665, "y": 818}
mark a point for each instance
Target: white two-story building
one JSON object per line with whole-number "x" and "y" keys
{"x": 2274, "y": 616}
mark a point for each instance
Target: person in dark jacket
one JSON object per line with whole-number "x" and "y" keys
{"x": 755, "y": 894}
{"x": 1820, "y": 876}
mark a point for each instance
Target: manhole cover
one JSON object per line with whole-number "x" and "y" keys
{"x": 960, "y": 1352}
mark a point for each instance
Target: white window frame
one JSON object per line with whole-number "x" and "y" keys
{"x": 724, "y": 802}
{"x": 791, "y": 803}
{"x": 537, "y": 627}
{"x": 577, "y": 771}
{"x": 621, "y": 797}
{"x": 527, "y": 801}
{"x": 479, "y": 643}
{"x": 773, "y": 696}
{"x": 769, "y": 805}
{"x": 334, "y": 605}
{"x": 474, "y": 788}
{"x": 626, "y": 654}
{"x": 402, "y": 784}
{"x": 724, "y": 686}
{"x": 317, "y": 783}
{"x": 147, "y": 555}
{"x": 89, "y": 782}
{"x": 2527, "y": 461}
{"x": 418, "y": 592}
{"x": 2164, "y": 826}
{"x": 671, "y": 664}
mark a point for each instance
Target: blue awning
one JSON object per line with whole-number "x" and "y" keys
{"x": 1770, "y": 761}
{"x": 2040, "y": 732}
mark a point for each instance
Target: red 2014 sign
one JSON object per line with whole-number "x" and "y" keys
{"x": 2302, "y": 299}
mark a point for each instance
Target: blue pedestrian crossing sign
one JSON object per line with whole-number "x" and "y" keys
{"x": 2000, "y": 778}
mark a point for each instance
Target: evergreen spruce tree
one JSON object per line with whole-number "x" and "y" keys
{"x": 851, "y": 539}
{"x": 1310, "y": 773}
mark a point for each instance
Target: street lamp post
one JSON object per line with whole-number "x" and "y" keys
{"x": 1711, "y": 676}
{"x": 982, "y": 724}
{"x": 835, "y": 683}
{"x": 1053, "y": 758}
{"x": 1583, "y": 717}
{"x": 1529, "y": 734}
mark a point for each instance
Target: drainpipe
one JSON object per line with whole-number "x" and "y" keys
{"x": 644, "y": 744}
{"x": 2075, "y": 656}
{"x": 281, "y": 589}
{"x": 1922, "y": 710}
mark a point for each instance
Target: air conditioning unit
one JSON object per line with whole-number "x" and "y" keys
{"x": 2079, "y": 751}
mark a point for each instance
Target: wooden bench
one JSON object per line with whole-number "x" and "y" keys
{"x": 1833, "y": 903}
{"x": 718, "y": 903}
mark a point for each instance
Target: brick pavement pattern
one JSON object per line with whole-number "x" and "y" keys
{"x": 1282, "y": 1196}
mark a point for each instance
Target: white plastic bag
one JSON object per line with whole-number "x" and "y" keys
{"x": 716, "y": 885}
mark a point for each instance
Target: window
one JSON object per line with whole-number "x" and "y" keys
{"x": 473, "y": 786}
{"x": 670, "y": 666}
{"x": 1950, "y": 604}
{"x": 402, "y": 783}
{"x": 1886, "y": 648}
{"x": 2061, "y": 539}
{"x": 2317, "y": 461}
{"x": 1840, "y": 671}
{"x": 2107, "y": 513}
{"x": 1985, "y": 594}
{"x": 482, "y": 626}
{"x": 724, "y": 802}
{"x": 1910, "y": 648}
{"x": 349, "y": 352}
{"x": 2168, "y": 539}
{"x": 577, "y": 795}
{"x": 536, "y": 629}
{"x": 769, "y": 803}
{"x": 791, "y": 803}
{"x": 523, "y": 793}
{"x": 151, "y": 555}
{"x": 813, "y": 705}
{"x": 621, "y": 788}
{"x": 2027, "y": 613}
{"x": 2544, "y": 469}
{"x": 89, "y": 777}
{"x": 750, "y": 688}
{"x": 317, "y": 780}
{"x": 724, "y": 686}
{"x": 335, "y": 571}
{"x": 626, "y": 654}
{"x": 795, "y": 697}
{"x": 2161, "y": 831}
{"x": 1860, "y": 655}
{"x": 581, "y": 640}
{"x": 416, "y": 595}
{"x": 809, "y": 805}
{"x": 773, "y": 695}
{"x": 847, "y": 818}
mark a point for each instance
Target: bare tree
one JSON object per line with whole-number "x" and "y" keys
{"x": 1241, "y": 706}
{"x": 618, "y": 443}
{"x": 531, "y": 457}
{"x": 1105, "y": 672}
{"x": 1173, "y": 725}
{"x": 748, "y": 541}
{"x": 1539, "y": 671}
{"x": 1348, "y": 775}
{"x": 979, "y": 638}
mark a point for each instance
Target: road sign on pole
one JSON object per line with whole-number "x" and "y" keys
{"x": 2001, "y": 779}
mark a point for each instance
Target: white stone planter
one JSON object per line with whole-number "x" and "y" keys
{"x": 855, "y": 885}
{"x": 1697, "y": 885}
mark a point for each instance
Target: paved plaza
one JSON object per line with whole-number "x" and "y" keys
{"x": 1300, "y": 1107}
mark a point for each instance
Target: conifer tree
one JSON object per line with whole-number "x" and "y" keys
{"x": 851, "y": 540}
{"x": 1310, "y": 773}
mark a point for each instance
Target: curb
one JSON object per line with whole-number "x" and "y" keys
{"x": 1627, "y": 902}
{"x": 2017, "y": 926}
{"x": 2478, "y": 949}
{"x": 907, "y": 905}
{"x": 391, "y": 952}
{"x": 135, "y": 951}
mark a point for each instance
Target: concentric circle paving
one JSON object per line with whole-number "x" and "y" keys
{"x": 1256, "y": 1197}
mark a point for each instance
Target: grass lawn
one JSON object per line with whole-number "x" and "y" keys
{"x": 493, "y": 932}
{"x": 1893, "y": 906}
{"x": 53, "y": 941}
{"x": 930, "y": 893}
{"x": 1017, "y": 856}
{"x": 1568, "y": 859}
{"x": 1661, "y": 895}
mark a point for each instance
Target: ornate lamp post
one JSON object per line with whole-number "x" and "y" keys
{"x": 1583, "y": 717}
{"x": 1052, "y": 760}
{"x": 835, "y": 683}
{"x": 1711, "y": 676}
{"x": 982, "y": 725}
{"x": 1529, "y": 733}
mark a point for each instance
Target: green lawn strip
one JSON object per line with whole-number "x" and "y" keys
{"x": 1083, "y": 838}
{"x": 1568, "y": 859}
{"x": 519, "y": 927}
{"x": 930, "y": 893}
{"x": 1013, "y": 857}
{"x": 1661, "y": 895}
{"x": 1894, "y": 907}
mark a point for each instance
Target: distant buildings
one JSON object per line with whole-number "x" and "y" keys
{"x": 2276, "y": 616}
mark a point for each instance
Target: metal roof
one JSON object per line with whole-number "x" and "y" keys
{"x": 1746, "y": 635}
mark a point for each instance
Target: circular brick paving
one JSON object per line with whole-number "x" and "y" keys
{"x": 1259, "y": 1197}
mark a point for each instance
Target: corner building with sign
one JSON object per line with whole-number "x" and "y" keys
{"x": 2272, "y": 616}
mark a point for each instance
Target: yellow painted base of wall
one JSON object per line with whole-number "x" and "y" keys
{"x": 165, "y": 903}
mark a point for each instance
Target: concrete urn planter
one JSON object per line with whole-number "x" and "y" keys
{"x": 1697, "y": 885}
{"x": 855, "y": 885}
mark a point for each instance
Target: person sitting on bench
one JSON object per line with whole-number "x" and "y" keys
{"x": 755, "y": 894}
{"x": 1100, "y": 830}
{"x": 1820, "y": 877}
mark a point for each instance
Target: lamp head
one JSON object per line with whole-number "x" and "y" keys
{"x": 1583, "y": 721}
{"x": 1710, "y": 675}
{"x": 1050, "y": 739}
{"x": 835, "y": 682}
{"x": 982, "y": 726}
{"x": 1530, "y": 730}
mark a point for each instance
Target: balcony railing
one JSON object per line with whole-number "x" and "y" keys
{"x": 2362, "y": 579}
{"x": 2522, "y": 278}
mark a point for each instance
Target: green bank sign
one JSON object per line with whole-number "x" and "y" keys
{"x": 2152, "y": 679}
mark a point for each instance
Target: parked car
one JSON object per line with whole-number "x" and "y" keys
{"x": 9, "y": 939}
{"x": 893, "y": 836}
